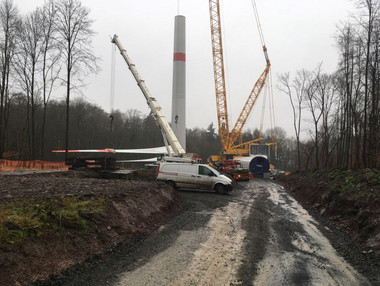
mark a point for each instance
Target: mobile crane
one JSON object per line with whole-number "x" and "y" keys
{"x": 174, "y": 149}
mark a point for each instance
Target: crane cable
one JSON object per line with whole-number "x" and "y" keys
{"x": 113, "y": 67}
{"x": 272, "y": 117}
{"x": 263, "y": 110}
{"x": 112, "y": 96}
{"x": 258, "y": 22}
{"x": 269, "y": 86}
{"x": 254, "y": 7}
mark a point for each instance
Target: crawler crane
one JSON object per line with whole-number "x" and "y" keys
{"x": 231, "y": 139}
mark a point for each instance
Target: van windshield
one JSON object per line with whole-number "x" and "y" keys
{"x": 215, "y": 171}
{"x": 208, "y": 171}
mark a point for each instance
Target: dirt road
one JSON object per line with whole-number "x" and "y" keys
{"x": 256, "y": 236}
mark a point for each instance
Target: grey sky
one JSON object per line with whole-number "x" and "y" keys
{"x": 298, "y": 34}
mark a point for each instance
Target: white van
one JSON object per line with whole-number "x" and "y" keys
{"x": 193, "y": 176}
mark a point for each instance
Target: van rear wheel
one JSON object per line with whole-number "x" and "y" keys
{"x": 220, "y": 189}
{"x": 172, "y": 184}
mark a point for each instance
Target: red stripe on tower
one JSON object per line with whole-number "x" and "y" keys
{"x": 179, "y": 57}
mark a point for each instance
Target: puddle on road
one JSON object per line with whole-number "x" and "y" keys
{"x": 312, "y": 261}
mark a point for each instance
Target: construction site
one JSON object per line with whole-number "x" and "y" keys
{"x": 89, "y": 197}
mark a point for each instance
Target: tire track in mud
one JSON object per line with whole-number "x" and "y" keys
{"x": 214, "y": 262}
{"x": 297, "y": 253}
{"x": 257, "y": 227}
{"x": 256, "y": 236}
{"x": 218, "y": 258}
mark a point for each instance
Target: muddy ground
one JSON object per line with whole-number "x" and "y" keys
{"x": 257, "y": 235}
{"x": 348, "y": 199}
{"x": 138, "y": 208}
{"x": 135, "y": 207}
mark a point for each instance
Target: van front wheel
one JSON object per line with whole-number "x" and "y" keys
{"x": 172, "y": 184}
{"x": 220, "y": 189}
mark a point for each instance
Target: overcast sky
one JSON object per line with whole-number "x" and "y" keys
{"x": 298, "y": 34}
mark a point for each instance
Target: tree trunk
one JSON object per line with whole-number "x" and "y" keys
{"x": 67, "y": 113}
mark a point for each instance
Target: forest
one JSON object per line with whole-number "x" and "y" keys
{"x": 50, "y": 48}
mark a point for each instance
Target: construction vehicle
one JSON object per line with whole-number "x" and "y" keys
{"x": 231, "y": 140}
{"x": 234, "y": 169}
{"x": 176, "y": 153}
{"x": 193, "y": 176}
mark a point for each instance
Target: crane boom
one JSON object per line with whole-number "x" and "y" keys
{"x": 153, "y": 104}
{"x": 220, "y": 86}
{"x": 236, "y": 131}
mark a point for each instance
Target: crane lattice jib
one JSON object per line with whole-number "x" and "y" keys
{"x": 218, "y": 63}
{"x": 236, "y": 131}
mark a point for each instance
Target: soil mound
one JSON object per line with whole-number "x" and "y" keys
{"x": 52, "y": 221}
{"x": 349, "y": 199}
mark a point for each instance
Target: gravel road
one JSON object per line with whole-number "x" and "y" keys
{"x": 258, "y": 235}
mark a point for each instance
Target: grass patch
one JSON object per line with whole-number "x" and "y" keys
{"x": 359, "y": 183}
{"x": 372, "y": 176}
{"x": 32, "y": 218}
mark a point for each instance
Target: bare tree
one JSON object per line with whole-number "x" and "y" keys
{"x": 327, "y": 98}
{"x": 349, "y": 83}
{"x": 296, "y": 90}
{"x": 9, "y": 21}
{"x": 371, "y": 10}
{"x": 278, "y": 154}
{"x": 50, "y": 67}
{"x": 357, "y": 81}
{"x": 132, "y": 126}
{"x": 315, "y": 105}
{"x": 374, "y": 86}
{"x": 75, "y": 33}
{"x": 28, "y": 58}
